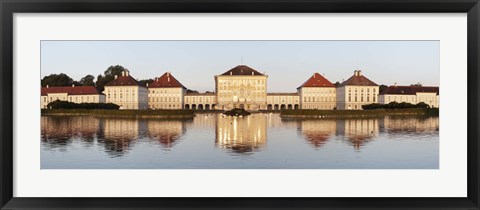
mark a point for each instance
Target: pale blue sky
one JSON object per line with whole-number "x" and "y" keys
{"x": 288, "y": 63}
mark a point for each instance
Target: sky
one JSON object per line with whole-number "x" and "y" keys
{"x": 287, "y": 63}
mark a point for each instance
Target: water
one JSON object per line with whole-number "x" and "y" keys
{"x": 259, "y": 141}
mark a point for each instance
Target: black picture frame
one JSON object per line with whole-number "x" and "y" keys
{"x": 9, "y": 7}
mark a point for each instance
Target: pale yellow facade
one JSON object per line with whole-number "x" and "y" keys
{"x": 241, "y": 91}
{"x": 317, "y": 97}
{"x": 200, "y": 101}
{"x": 50, "y": 97}
{"x": 353, "y": 97}
{"x": 432, "y": 99}
{"x": 278, "y": 101}
{"x": 166, "y": 98}
{"x": 127, "y": 97}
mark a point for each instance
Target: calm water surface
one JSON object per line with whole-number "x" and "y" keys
{"x": 258, "y": 141}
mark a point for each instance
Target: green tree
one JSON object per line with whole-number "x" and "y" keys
{"x": 144, "y": 82}
{"x": 56, "y": 80}
{"x": 87, "y": 80}
{"x": 114, "y": 70}
{"x": 381, "y": 88}
{"x": 108, "y": 76}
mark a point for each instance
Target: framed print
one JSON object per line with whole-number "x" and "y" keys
{"x": 239, "y": 105}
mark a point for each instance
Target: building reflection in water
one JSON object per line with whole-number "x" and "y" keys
{"x": 317, "y": 132}
{"x": 358, "y": 131}
{"x": 58, "y": 131}
{"x": 398, "y": 125}
{"x": 241, "y": 134}
{"x": 119, "y": 135}
{"x": 166, "y": 133}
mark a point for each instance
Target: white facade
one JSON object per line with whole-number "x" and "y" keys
{"x": 317, "y": 97}
{"x": 432, "y": 99}
{"x": 125, "y": 92}
{"x": 166, "y": 98}
{"x": 200, "y": 101}
{"x": 278, "y": 101}
{"x": 127, "y": 97}
{"x": 353, "y": 97}
{"x": 69, "y": 94}
{"x": 356, "y": 92}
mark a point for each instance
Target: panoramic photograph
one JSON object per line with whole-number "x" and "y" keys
{"x": 238, "y": 104}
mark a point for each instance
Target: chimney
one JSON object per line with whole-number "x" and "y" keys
{"x": 47, "y": 86}
{"x": 73, "y": 85}
{"x": 359, "y": 72}
{"x": 127, "y": 72}
{"x": 313, "y": 75}
{"x": 123, "y": 73}
{"x": 355, "y": 73}
{"x": 115, "y": 76}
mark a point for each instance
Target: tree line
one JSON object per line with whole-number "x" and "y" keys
{"x": 58, "y": 80}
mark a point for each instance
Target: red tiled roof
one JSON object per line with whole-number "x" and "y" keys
{"x": 317, "y": 80}
{"x": 409, "y": 90}
{"x": 358, "y": 79}
{"x": 242, "y": 70}
{"x": 166, "y": 80}
{"x": 78, "y": 90}
{"x": 123, "y": 81}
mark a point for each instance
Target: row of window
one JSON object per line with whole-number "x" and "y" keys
{"x": 318, "y": 99}
{"x": 176, "y": 92}
{"x": 241, "y": 82}
{"x": 121, "y": 95}
{"x": 163, "y": 99}
{"x": 200, "y": 99}
{"x": 318, "y": 106}
{"x": 319, "y": 90}
{"x": 231, "y": 91}
{"x": 162, "y": 106}
{"x": 356, "y": 98}
{"x": 71, "y": 99}
{"x": 362, "y": 89}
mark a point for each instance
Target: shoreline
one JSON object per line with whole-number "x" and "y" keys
{"x": 138, "y": 114}
{"x": 285, "y": 114}
{"x": 338, "y": 114}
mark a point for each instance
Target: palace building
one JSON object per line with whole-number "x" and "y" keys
{"x": 78, "y": 94}
{"x": 358, "y": 90}
{"x": 166, "y": 92}
{"x": 242, "y": 87}
{"x": 125, "y": 91}
{"x": 317, "y": 93}
{"x": 410, "y": 94}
